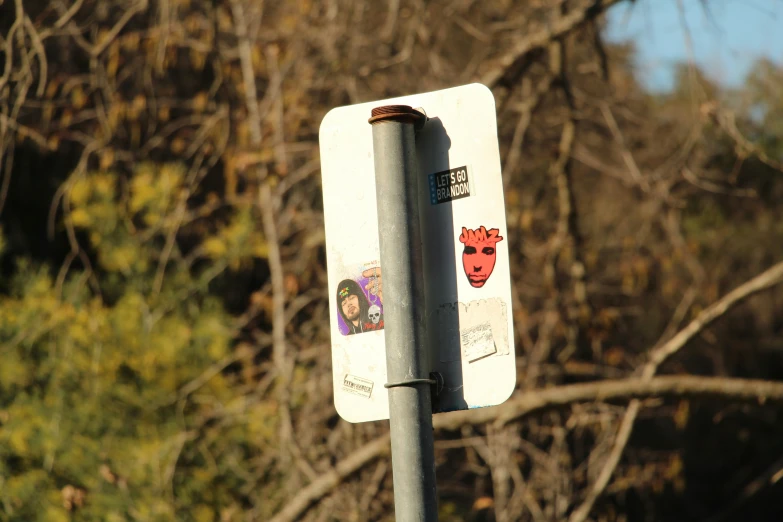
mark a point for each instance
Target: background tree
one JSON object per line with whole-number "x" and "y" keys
{"x": 163, "y": 309}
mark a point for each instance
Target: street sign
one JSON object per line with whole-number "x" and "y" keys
{"x": 464, "y": 254}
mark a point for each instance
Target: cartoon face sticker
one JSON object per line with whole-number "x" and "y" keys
{"x": 478, "y": 256}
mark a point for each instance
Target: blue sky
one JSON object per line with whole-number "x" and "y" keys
{"x": 724, "y": 40}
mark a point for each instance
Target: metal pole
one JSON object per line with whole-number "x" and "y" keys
{"x": 410, "y": 406}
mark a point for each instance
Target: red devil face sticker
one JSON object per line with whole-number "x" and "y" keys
{"x": 478, "y": 257}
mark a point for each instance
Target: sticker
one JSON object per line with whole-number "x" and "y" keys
{"x": 477, "y": 342}
{"x": 360, "y": 301}
{"x": 479, "y": 255}
{"x": 471, "y": 331}
{"x": 357, "y": 386}
{"x": 449, "y": 185}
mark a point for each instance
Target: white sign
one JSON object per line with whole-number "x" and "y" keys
{"x": 465, "y": 251}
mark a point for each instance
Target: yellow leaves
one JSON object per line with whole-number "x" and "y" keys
{"x": 682, "y": 414}
{"x": 153, "y": 191}
{"x": 80, "y": 218}
{"x": 17, "y": 440}
{"x": 120, "y": 258}
{"x": 26, "y": 485}
{"x": 217, "y": 348}
{"x": 13, "y": 371}
{"x": 51, "y": 89}
{"x": 106, "y": 158}
{"x": 113, "y": 62}
{"x": 225, "y": 24}
{"x": 133, "y": 110}
{"x": 262, "y": 419}
{"x": 80, "y": 331}
{"x": 526, "y": 220}
{"x": 139, "y": 102}
{"x": 66, "y": 118}
{"x": 237, "y": 242}
{"x": 260, "y": 249}
{"x": 103, "y": 185}
{"x": 215, "y": 247}
{"x": 56, "y": 514}
{"x": 39, "y": 288}
{"x": 78, "y": 98}
{"x": 21, "y": 432}
{"x": 202, "y": 513}
{"x": 177, "y": 145}
{"x": 93, "y": 206}
{"x": 142, "y": 191}
{"x": 97, "y": 362}
{"x": 200, "y": 102}
{"x": 130, "y": 41}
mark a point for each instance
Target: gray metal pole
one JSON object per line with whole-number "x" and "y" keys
{"x": 410, "y": 406}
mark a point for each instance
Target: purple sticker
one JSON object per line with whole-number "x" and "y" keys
{"x": 360, "y": 303}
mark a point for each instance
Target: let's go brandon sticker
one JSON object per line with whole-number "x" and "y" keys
{"x": 449, "y": 185}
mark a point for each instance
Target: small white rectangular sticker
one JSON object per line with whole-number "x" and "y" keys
{"x": 477, "y": 342}
{"x": 357, "y": 385}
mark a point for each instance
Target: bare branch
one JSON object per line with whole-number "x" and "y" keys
{"x": 628, "y": 158}
{"x": 727, "y": 120}
{"x": 537, "y": 401}
{"x": 540, "y": 39}
{"x": 324, "y": 485}
{"x": 767, "y": 279}
{"x": 112, "y": 34}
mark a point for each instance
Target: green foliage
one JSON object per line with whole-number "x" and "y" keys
{"x": 94, "y": 422}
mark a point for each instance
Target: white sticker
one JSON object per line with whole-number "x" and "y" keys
{"x": 454, "y": 320}
{"x": 357, "y": 386}
{"x": 477, "y": 342}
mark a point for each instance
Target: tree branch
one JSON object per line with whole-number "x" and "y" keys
{"x": 537, "y": 401}
{"x": 767, "y": 279}
{"x": 771, "y": 277}
{"x": 540, "y": 39}
{"x": 324, "y": 485}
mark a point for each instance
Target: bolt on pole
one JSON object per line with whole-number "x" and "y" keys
{"x": 410, "y": 406}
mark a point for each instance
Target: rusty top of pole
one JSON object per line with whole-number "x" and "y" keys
{"x": 398, "y": 113}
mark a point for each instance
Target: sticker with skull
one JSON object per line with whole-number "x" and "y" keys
{"x": 375, "y": 314}
{"x": 360, "y": 302}
{"x": 479, "y": 255}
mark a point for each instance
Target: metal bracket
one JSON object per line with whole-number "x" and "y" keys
{"x": 435, "y": 379}
{"x": 409, "y": 382}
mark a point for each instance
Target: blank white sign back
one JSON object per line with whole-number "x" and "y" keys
{"x": 470, "y": 337}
